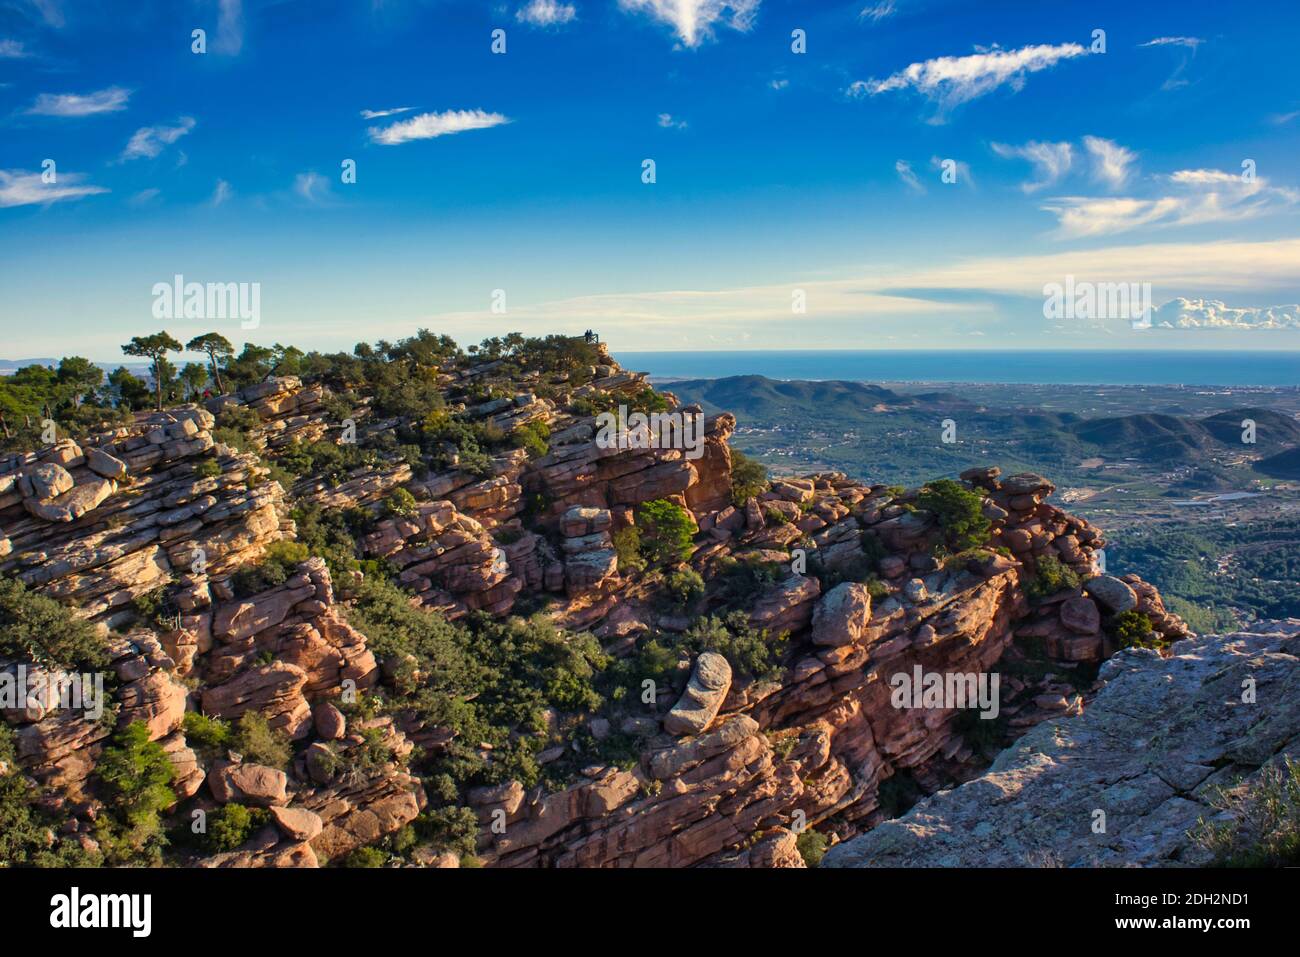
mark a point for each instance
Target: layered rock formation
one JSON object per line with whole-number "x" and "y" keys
{"x": 727, "y": 769}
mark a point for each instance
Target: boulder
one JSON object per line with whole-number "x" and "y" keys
{"x": 72, "y": 504}
{"x": 329, "y": 721}
{"x": 1115, "y": 595}
{"x": 48, "y": 480}
{"x": 1080, "y": 615}
{"x": 297, "y": 823}
{"x": 254, "y": 784}
{"x": 703, "y": 697}
{"x": 842, "y": 615}
{"x": 105, "y": 465}
{"x": 1027, "y": 483}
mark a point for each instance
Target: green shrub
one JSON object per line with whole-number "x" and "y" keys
{"x": 208, "y": 468}
{"x": 38, "y": 629}
{"x": 450, "y": 828}
{"x": 684, "y": 585}
{"x": 738, "y": 582}
{"x": 230, "y": 825}
{"x": 210, "y": 735}
{"x": 775, "y": 516}
{"x": 400, "y": 502}
{"x": 533, "y": 437}
{"x": 627, "y": 546}
{"x": 812, "y": 847}
{"x": 750, "y": 651}
{"x": 277, "y": 565}
{"x": 27, "y": 833}
{"x": 366, "y": 857}
{"x": 877, "y": 589}
{"x": 959, "y": 512}
{"x": 137, "y": 775}
{"x": 1051, "y": 578}
{"x": 748, "y": 478}
{"x": 257, "y": 741}
{"x": 667, "y": 532}
{"x": 1132, "y": 629}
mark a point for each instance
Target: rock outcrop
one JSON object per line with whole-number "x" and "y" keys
{"x": 1124, "y": 783}
{"x": 146, "y": 529}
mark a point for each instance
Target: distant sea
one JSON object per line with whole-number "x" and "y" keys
{"x": 1090, "y": 367}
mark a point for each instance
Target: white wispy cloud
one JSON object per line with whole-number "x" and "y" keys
{"x": 546, "y": 13}
{"x": 109, "y": 100}
{"x": 951, "y": 81}
{"x": 311, "y": 186}
{"x": 221, "y": 193}
{"x": 376, "y": 114}
{"x": 668, "y": 122}
{"x": 145, "y": 197}
{"x": 888, "y": 296}
{"x": 779, "y": 83}
{"x": 1183, "y": 313}
{"x": 426, "y": 126}
{"x": 878, "y": 11}
{"x": 230, "y": 27}
{"x": 1051, "y": 161}
{"x": 1190, "y": 42}
{"x": 1196, "y": 197}
{"x": 51, "y": 11}
{"x": 149, "y": 141}
{"x": 20, "y": 187}
{"x": 1110, "y": 162}
{"x": 694, "y": 21}
{"x": 13, "y": 50}
{"x": 905, "y": 172}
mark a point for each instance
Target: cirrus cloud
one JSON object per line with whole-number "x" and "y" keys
{"x": 20, "y": 187}
{"x": 149, "y": 141}
{"x": 109, "y": 100}
{"x": 951, "y": 80}
{"x": 1051, "y": 161}
{"x": 427, "y": 126}
{"x": 1193, "y": 197}
{"x": 693, "y": 21}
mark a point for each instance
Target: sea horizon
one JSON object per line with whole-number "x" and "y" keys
{"x": 1011, "y": 366}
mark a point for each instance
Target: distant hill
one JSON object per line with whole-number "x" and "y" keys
{"x": 1284, "y": 465}
{"x": 1145, "y": 436}
{"x": 758, "y": 397}
{"x": 1271, "y": 428}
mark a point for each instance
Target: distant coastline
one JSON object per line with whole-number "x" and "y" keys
{"x": 1075, "y": 367}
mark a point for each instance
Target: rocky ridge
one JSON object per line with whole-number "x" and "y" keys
{"x": 725, "y": 766}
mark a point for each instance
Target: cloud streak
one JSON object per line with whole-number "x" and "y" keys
{"x": 110, "y": 100}
{"x": 377, "y": 114}
{"x": 1196, "y": 197}
{"x": 951, "y": 81}
{"x": 905, "y": 172}
{"x": 20, "y": 187}
{"x": 149, "y": 141}
{"x": 1051, "y": 161}
{"x": 428, "y": 126}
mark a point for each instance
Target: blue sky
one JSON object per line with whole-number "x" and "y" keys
{"x": 778, "y": 173}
